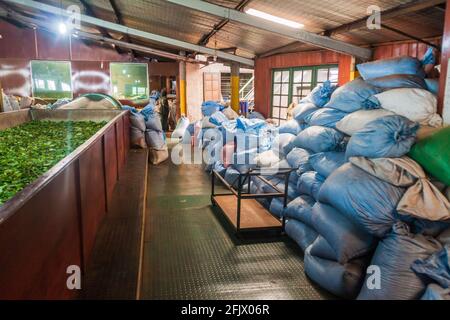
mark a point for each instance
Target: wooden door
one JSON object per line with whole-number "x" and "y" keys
{"x": 211, "y": 86}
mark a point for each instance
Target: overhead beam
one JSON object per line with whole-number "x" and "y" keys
{"x": 410, "y": 36}
{"x": 102, "y": 30}
{"x": 119, "y": 19}
{"x": 386, "y": 15}
{"x": 256, "y": 22}
{"x": 102, "y": 39}
{"x": 205, "y": 39}
{"x": 134, "y": 32}
{"x": 362, "y": 23}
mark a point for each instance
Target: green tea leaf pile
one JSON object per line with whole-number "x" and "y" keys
{"x": 31, "y": 149}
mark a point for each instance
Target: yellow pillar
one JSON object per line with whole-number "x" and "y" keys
{"x": 353, "y": 71}
{"x": 235, "y": 86}
{"x": 183, "y": 96}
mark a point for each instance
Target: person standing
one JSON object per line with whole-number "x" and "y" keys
{"x": 164, "y": 110}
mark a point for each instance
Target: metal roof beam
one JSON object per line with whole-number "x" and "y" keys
{"x": 205, "y": 39}
{"x": 298, "y": 35}
{"x": 386, "y": 15}
{"x": 134, "y": 32}
{"x": 119, "y": 19}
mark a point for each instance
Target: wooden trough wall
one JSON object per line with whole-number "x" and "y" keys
{"x": 52, "y": 223}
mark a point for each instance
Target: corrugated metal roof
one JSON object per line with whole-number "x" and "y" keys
{"x": 164, "y": 18}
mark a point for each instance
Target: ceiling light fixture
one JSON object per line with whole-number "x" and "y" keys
{"x": 62, "y": 28}
{"x": 275, "y": 19}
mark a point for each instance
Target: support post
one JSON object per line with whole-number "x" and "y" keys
{"x": 353, "y": 71}
{"x": 1, "y": 97}
{"x": 183, "y": 97}
{"x": 444, "y": 106}
{"x": 235, "y": 86}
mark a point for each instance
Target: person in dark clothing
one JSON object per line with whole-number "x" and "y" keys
{"x": 164, "y": 110}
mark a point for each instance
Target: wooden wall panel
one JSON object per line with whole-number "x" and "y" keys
{"x": 40, "y": 241}
{"x": 92, "y": 194}
{"x": 445, "y": 55}
{"x": 264, "y": 66}
{"x": 404, "y": 48}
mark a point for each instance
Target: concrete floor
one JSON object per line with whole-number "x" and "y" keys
{"x": 189, "y": 253}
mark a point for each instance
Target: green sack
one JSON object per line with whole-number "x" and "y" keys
{"x": 433, "y": 154}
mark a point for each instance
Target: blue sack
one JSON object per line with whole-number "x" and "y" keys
{"x": 387, "y": 67}
{"x": 435, "y": 292}
{"x": 348, "y": 240}
{"x": 277, "y": 207}
{"x": 432, "y": 85}
{"x": 386, "y": 137}
{"x": 324, "y": 163}
{"x": 321, "y": 94}
{"x": 300, "y": 209}
{"x": 342, "y": 280}
{"x": 435, "y": 267}
{"x": 363, "y": 198}
{"x": 318, "y": 139}
{"x": 256, "y": 115}
{"x": 217, "y": 118}
{"x": 302, "y": 234}
{"x": 398, "y": 81}
{"x": 280, "y": 142}
{"x": 302, "y": 110}
{"x": 155, "y": 139}
{"x": 326, "y": 117}
{"x": 291, "y": 126}
{"x": 310, "y": 183}
{"x": 428, "y": 57}
{"x": 292, "y": 190}
{"x": 131, "y": 109}
{"x": 246, "y": 125}
{"x": 209, "y": 107}
{"x": 298, "y": 158}
{"x": 394, "y": 256}
{"x": 353, "y": 96}
{"x": 322, "y": 249}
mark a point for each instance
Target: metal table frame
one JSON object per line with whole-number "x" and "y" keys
{"x": 241, "y": 194}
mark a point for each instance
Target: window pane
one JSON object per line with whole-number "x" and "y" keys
{"x": 334, "y": 73}
{"x": 51, "y": 79}
{"x": 129, "y": 81}
{"x": 276, "y": 101}
{"x": 285, "y": 89}
{"x": 285, "y": 76}
{"x": 306, "y": 91}
{"x": 277, "y": 76}
{"x": 297, "y": 76}
{"x": 307, "y": 76}
{"x": 322, "y": 75}
{"x": 296, "y": 89}
{"x": 283, "y": 113}
{"x": 276, "y": 112}
{"x": 296, "y": 99}
{"x": 284, "y": 101}
{"x": 277, "y": 89}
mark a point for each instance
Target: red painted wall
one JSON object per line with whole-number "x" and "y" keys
{"x": 264, "y": 66}
{"x": 90, "y": 61}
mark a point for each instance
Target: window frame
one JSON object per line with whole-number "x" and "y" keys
{"x": 69, "y": 63}
{"x": 314, "y": 74}
{"x": 128, "y": 63}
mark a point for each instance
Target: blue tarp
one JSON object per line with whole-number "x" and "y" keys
{"x": 209, "y": 107}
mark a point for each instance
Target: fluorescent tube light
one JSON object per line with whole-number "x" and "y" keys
{"x": 272, "y": 18}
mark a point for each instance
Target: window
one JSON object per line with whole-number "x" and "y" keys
{"x": 51, "y": 79}
{"x": 129, "y": 81}
{"x": 293, "y": 84}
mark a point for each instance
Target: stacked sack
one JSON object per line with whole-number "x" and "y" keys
{"x": 344, "y": 209}
{"x": 154, "y": 135}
